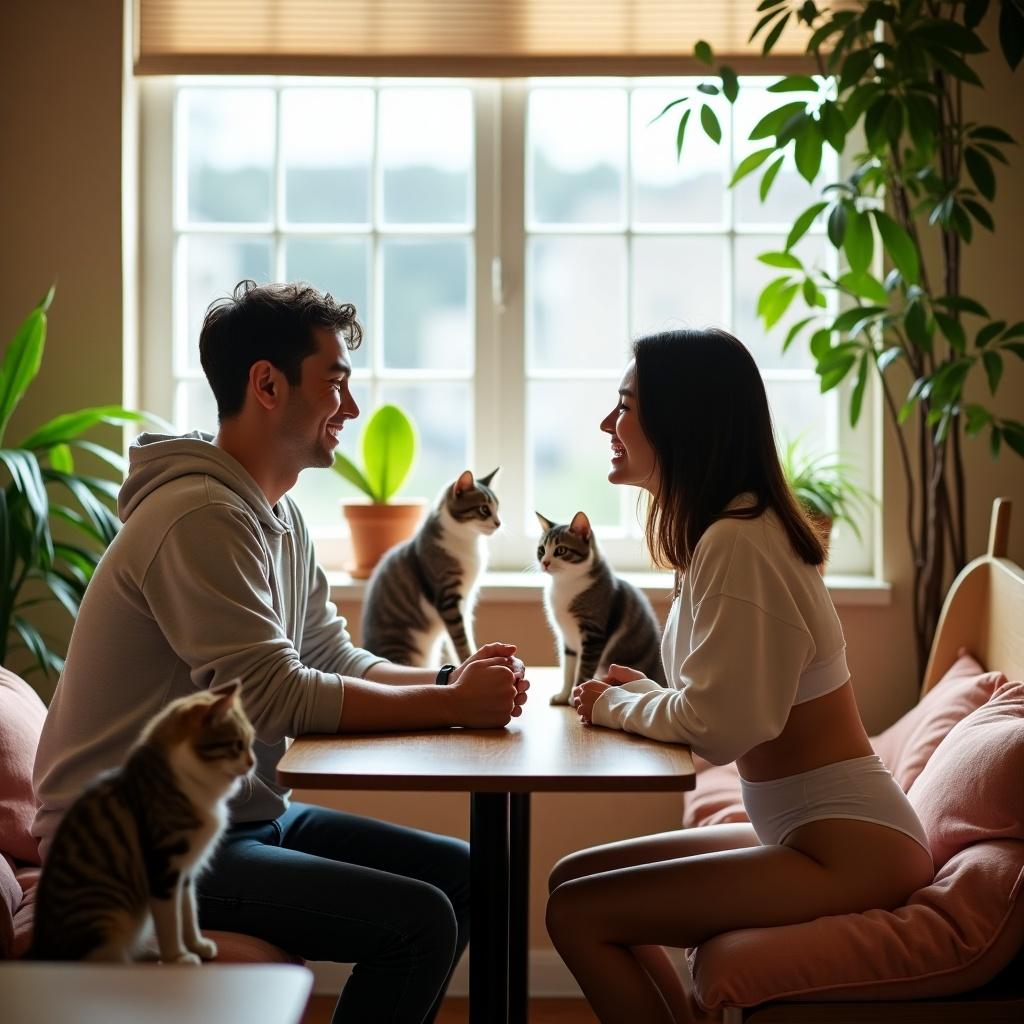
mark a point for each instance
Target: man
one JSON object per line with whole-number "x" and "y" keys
{"x": 213, "y": 578}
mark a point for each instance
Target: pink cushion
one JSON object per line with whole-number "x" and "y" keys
{"x": 21, "y": 721}
{"x": 972, "y": 788}
{"x": 28, "y": 880}
{"x": 952, "y": 936}
{"x": 906, "y": 746}
{"x": 716, "y": 798}
{"x": 10, "y": 900}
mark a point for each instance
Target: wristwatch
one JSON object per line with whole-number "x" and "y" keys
{"x": 443, "y": 674}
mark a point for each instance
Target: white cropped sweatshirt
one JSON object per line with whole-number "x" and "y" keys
{"x": 752, "y": 632}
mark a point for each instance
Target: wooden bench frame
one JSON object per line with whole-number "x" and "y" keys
{"x": 984, "y": 612}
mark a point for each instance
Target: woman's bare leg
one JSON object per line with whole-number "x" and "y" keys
{"x": 646, "y": 850}
{"x": 827, "y": 867}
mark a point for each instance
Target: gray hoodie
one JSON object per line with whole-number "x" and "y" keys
{"x": 205, "y": 583}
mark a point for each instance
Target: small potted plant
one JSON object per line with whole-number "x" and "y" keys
{"x": 824, "y": 487}
{"x": 378, "y": 524}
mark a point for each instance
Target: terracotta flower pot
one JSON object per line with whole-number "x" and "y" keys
{"x": 378, "y": 528}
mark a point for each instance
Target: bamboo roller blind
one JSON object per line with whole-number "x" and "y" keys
{"x": 452, "y": 37}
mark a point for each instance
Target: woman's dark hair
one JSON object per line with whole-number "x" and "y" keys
{"x": 273, "y": 322}
{"x": 703, "y": 407}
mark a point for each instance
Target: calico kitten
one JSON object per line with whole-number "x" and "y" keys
{"x": 135, "y": 840}
{"x": 601, "y": 619}
{"x": 427, "y": 586}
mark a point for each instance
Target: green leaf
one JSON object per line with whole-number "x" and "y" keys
{"x": 812, "y": 294}
{"x": 837, "y": 224}
{"x": 68, "y": 426}
{"x": 794, "y": 83}
{"x": 779, "y": 304}
{"x": 750, "y": 163}
{"x": 849, "y": 318}
{"x": 854, "y": 67}
{"x": 990, "y": 133}
{"x": 709, "y": 122}
{"x": 702, "y": 51}
{"x": 994, "y": 438}
{"x": 773, "y": 36}
{"x": 963, "y": 303}
{"x": 61, "y": 458}
{"x": 833, "y": 377}
{"x": 764, "y": 21}
{"x": 993, "y": 363}
{"x": 988, "y": 332}
{"x": 962, "y": 223}
{"x": 899, "y": 246}
{"x": 802, "y": 224}
{"x": 858, "y": 242}
{"x": 21, "y": 364}
{"x": 794, "y": 331}
{"x": 768, "y": 178}
{"x": 348, "y": 470}
{"x": 1015, "y": 331}
{"x": 681, "y": 131}
{"x": 1014, "y": 434}
{"x": 773, "y": 121}
{"x": 981, "y": 172}
{"x": 27, "y": 482}
{"x": 833, "y": 127}
{"x": 730, "y": 83}
{"x": 950, "y": 62}
{"x": 389, "y": 447}
{"x": 784, "y": 260}
{"x": 668, "y": 106}
{"x": 857, "y": 397}
{"x": 1011, "y": 33}
{"x": 1016, "y": 347}
{"x": 105, "y": 522}
{"x": 865, "y": 286}
{"x": 918, "y": 329}
{"x": 708, "y": 89}
{"x": 913, "y": 395}
{"x": 952, "y": 329}
{"x": 980, "y": 214}
{"x": 977, "y": 419}
{"x": 808, "y": 151}
{"x": 888, "y": 357}
{"x": 949, "y": 35}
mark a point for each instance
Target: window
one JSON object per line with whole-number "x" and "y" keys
{"x": 502, "y": 241}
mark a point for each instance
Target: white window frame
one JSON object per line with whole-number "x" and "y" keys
{"x": 498, "y": 313}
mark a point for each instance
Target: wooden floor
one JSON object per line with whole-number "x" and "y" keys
{"x": 456, "y": 1011}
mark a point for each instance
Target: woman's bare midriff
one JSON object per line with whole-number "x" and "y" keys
{"x": 818, "y": 732}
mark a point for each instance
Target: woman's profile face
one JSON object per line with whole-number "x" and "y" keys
{"x": 633, "y": 460}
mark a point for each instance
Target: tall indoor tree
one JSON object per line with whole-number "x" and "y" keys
{"x": 892, "y": 74}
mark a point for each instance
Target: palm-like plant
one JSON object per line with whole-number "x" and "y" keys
{"x": 37, "y": 564}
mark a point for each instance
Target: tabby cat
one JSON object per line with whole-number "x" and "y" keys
{"x": 427, "y": 586}
{"x": 601, "y": 619}
{"x": 137, "y": 837}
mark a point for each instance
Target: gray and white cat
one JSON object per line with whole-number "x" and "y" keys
{"x": 426, "y": 588}
{"x": 131, "y": 844}
{"x": 600, "y": 619}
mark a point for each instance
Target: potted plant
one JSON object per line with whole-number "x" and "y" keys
{"x": 39, "y": 564}
{"x": 378, "y": 524}
{"x": 893, "y": 73}
{"x": 825, "y": 487}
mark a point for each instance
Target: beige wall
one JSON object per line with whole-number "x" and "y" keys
{"x": 60, "y": 210}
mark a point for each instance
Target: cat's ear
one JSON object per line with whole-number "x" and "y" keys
{"x": 546, "y": 524}
{"x": 486, "y": 480}
{"x": 464, "y": 483}
{"x": 580, "y": 525}
{"x": 226, "y": 697}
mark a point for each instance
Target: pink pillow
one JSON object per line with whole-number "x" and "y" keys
{"x": 10, "y": 900}
{"x": 716, "y": 798}
{"x": 907, "y": 744}
{"x": 952, "y": 936}
{"x": 972, "y": 788}
{"x": 21, "y": 722}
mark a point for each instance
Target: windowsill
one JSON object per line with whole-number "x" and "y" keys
{"x": 519, "y": 588}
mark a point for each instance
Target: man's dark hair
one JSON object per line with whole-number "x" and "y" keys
{"x": 273, "y": 322}
{"x": 703, "y": 407}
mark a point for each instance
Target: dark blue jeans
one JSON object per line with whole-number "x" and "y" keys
{"x": 331, "y": 886}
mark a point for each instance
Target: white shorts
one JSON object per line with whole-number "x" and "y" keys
{"x": 861, "y": 788}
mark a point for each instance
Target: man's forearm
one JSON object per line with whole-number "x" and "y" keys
{"x": 401, "y": 675}
{"x": 371, "y": 706}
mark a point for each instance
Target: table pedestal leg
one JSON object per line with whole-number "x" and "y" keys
{"x": 519, "y": 902}
{"x": 489, "y": 916}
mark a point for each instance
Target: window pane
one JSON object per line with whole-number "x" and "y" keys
{"x": 425, "y": 290}
{"x": 790, "y": 194}
{"x": 749, "y": 280}
{"x": 196, "y": 408}
{"x": 576, "y": 154}
{"x": 568, "y": 456}
{"x": 214, "y": 265}
{"x": 798, "y": 411}
{"x": 326, "y": 150}
{"x": 318, "y": 491}
{"x": 229, "y": 154}
{"x": 576, "y": 302}
{"x": 667, "y": 189}
{"x": 426, "y": 147}
{"x": 679, "y": 282}
{"x": 443, "y": 414}
{"x": 339, "y": 266}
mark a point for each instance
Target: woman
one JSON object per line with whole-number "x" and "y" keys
{"x": 755, "y": 657}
